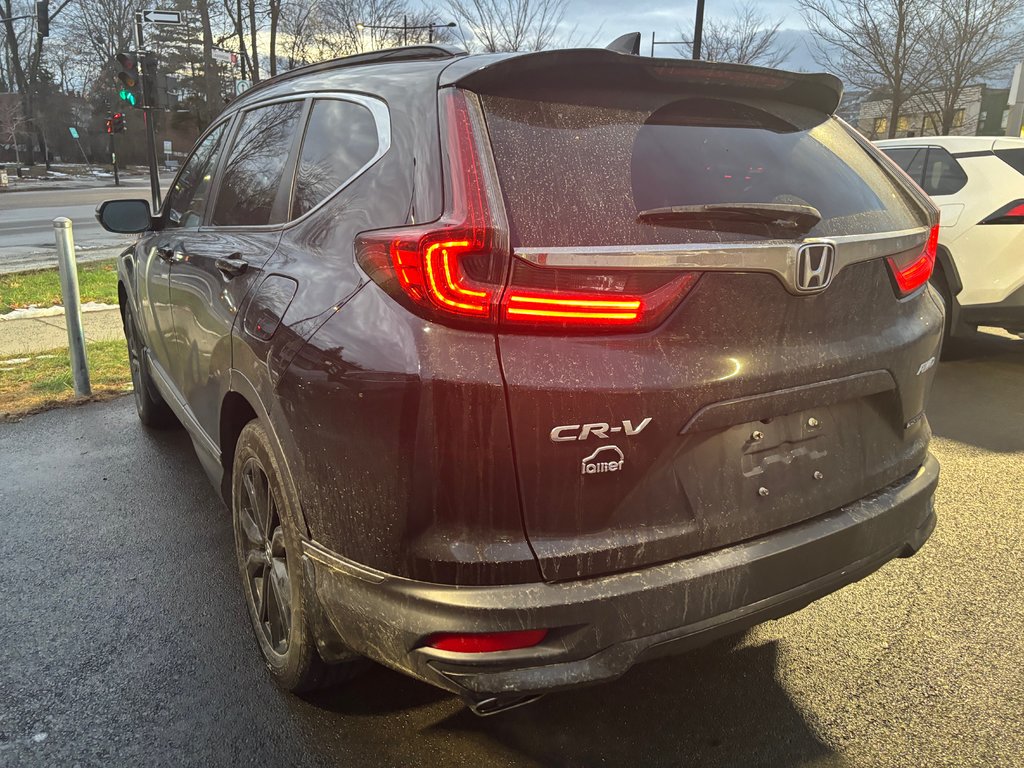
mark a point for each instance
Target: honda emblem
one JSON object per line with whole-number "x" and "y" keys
{"x": 815, "y": 265}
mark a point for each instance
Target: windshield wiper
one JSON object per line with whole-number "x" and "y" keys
{"x": 785, "y": 216}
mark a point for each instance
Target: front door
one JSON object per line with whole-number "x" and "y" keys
{"x": 220, "y": 262}
{"x": 183, "y": 213}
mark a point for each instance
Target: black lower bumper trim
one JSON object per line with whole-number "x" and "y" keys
{"x": 600, "y": 627}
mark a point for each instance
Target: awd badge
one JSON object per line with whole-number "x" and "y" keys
{"x": 607, "y": 458}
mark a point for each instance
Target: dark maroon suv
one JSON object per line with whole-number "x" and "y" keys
{"x": 517, "y": 369}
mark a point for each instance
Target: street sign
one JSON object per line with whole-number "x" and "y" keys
{"x": 162, "y": 17}
{"x": 74, "y": 132}
{"x": 219, "y": 54}
{"x": 242, "y": 86}
{"x": 167, "y": 147}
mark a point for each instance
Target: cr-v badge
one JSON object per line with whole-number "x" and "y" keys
{"x": 607, "y": 458}
{"x": 569, "y": 432}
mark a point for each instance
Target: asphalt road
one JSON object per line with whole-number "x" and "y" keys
{"x": 26, "y": 221}
{"x": 124, "y": 639}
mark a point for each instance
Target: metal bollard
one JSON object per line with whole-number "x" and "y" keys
{"x": 68, "y": 270}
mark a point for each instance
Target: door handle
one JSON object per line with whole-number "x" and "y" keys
{"x": 231, "y": 266}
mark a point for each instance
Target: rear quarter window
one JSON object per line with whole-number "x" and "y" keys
{"x": 577, "y": 174}
{"x": 943, "y": 175}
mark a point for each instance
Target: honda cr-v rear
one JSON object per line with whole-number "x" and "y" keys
{"x": 622, "y": 354}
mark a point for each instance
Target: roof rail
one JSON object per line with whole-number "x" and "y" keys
{"x": 404, "y": 53}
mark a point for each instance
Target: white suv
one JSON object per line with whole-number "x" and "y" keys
{"x": 978, "y": 183}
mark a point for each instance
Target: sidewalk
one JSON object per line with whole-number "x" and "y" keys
{"x": 37, "y": 334}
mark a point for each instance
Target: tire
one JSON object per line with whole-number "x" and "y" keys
{"x": 268, "y": 547}
{"x": 152, "y": 410}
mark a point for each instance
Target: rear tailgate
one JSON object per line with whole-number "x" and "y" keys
{"x": 753, "y": 402}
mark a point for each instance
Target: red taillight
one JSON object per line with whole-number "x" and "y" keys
{"x": 590, "y": 300}
{"x": 911, "y": 272}
{"x": 454, "y": 267}
{"x": 1013, "y": 213}
{"x": 561, "y": 309}
{"x": 487, "y": 642}
{"x": 460, "y": 269}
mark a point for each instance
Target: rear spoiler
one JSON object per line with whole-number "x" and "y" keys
{"x": 531, "y": 74}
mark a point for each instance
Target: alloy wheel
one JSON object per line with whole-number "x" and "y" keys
{"x": 135, "y": 362}
{"x": 264, "y": 560}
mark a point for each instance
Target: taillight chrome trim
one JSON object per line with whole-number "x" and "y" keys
{"x": 777, "y": 257}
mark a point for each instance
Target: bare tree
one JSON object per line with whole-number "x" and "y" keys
{"x": 968, "y": 42}
{"x": 508, "y": 25}
{"x": 11, "y": 122}
{"x": 28, "y": 51}
{"x": 877, "y": 45}
{"x": 747, "y": 36}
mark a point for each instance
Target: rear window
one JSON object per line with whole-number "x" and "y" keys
{"x": 578, "y": 174}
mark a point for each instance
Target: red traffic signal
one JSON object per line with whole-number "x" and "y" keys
{"x": 129, "y": 74}
{"x": 110, "y": 125}
{"x": 120, "y": 125}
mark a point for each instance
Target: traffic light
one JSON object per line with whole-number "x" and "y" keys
{"x": 118, "y": 123}
{"x": 129, "y": 77}
{"x": 110, "y": 125}
{"x": 43, "y": 18}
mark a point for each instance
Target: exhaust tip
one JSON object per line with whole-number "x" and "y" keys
{"x": 496, "y": 704}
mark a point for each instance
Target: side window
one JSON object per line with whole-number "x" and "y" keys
{"x": 910, "y": 159}
{"x": 256, "y": 165}
{"x": 341, "y": 138}
{"x": 942, "y": 174}
{"x": 186, "y": 200}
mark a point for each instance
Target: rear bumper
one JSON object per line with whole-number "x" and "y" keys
{"x": 601, "y": 627}
{"x": 1008, "y": 313}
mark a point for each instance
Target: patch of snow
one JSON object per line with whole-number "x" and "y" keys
{"x": 33, "y": 312}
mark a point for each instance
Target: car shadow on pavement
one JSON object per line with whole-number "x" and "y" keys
{"x": 976, "y": 397}
{"x": 716, "y": 706}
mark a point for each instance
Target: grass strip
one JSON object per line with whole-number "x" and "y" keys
{"x": 42, "y": 380}
{"x": 97, "y": 281}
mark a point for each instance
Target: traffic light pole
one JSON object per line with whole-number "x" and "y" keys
{"x": 113, "y": 159}
{"x": 149, "y": 115}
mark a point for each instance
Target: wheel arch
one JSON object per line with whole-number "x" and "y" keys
{"x": 235, "y": 412}
{"x": 240, "y": 405}
{"x": 949, "y": 271}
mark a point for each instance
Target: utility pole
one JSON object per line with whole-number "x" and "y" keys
{"x": 148, "y": 114}
{"x": 698, "y": 29}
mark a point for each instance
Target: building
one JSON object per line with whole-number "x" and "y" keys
{"x": 980, "y": 111}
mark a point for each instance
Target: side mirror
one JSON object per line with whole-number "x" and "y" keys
{"x": 126, "y": 217}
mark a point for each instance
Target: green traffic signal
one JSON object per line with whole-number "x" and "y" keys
{"x": 127, "y": 95}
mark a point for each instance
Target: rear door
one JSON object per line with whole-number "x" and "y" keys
{"x": 216, "y": 265}
{"x": 776, "y": 388}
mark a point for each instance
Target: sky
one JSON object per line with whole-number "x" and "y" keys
{"x": 611, "y": 18}
{"x": 607, "y": 19}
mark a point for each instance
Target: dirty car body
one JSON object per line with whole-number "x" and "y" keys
{"x": 582, "y": 359}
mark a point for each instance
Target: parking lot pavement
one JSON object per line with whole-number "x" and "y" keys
{"x": 125, "y": 640}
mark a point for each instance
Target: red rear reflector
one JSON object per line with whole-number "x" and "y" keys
{"x": 1016, "y": 212}
{"x": 488, "y": 642}
{"x": 913, "y": 272}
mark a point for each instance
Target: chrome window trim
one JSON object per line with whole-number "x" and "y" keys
{"x": 777, "y": 257}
